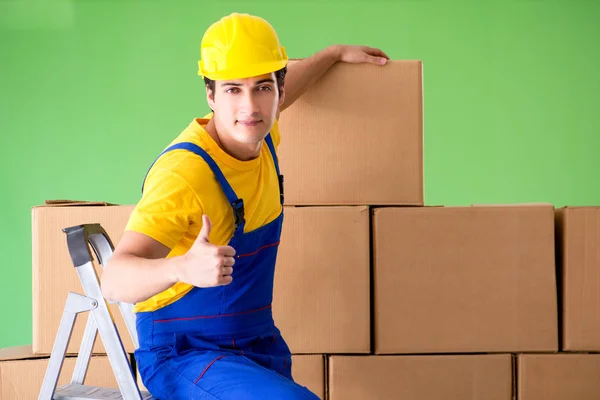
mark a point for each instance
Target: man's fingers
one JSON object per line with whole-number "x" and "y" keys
{"x": 227, "y": 251}
{"x": 375, "y": 60}
{"x": 227, "y": 271}
{"x": 377, "y": 52}
{"x": 228, "y": 262}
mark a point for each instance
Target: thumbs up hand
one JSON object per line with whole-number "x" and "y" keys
{"x": 206, "y": 265}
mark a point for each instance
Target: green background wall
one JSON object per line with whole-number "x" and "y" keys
{"x": 91, "y": 91}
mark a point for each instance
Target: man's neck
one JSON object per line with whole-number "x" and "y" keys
{"x": 239, "y": 151}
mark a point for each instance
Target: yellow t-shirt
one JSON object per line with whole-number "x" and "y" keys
{"x": 180, "y": 187}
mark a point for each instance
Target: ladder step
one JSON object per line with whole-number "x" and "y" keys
{"x": 83, "y": 392}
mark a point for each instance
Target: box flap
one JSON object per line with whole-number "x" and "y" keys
{"x": 68, "y": 203}
{"x": 590, "y": 207}
{"x": 514, "y": 205}
{"x": 17, "y": 353}
{"x": 77, "y": 203}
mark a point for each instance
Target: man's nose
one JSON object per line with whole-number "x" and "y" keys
{"x": 250, "y": 104}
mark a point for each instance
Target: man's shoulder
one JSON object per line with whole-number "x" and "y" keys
{"x": 181, "y": 160}
{"x": 190, "y": 134}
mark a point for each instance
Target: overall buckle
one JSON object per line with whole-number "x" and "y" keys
{"x": 238, "y": 212}
{"x": 281, "y": 188}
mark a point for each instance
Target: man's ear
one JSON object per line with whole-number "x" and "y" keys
{"x": 210, "y": 98}
{"x": 281, "y": 100}
{"x": 281, "y": 96}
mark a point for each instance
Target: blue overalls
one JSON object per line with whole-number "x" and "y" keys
{"x": 222, "y": 342}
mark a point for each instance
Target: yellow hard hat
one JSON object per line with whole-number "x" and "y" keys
{"x": 240, "y": 46}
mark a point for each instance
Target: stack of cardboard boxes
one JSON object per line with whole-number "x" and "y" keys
{"x": 464, "y": 302}
{"x": 378, "y": 296}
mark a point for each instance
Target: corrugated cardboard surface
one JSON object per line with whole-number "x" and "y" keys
{"x": 578, "y": 240}
{"x": 16, "y": 353}
{"x": 22, "y": 379}
{"x": 465, "y": 279}
{"x": 307, "y": 370}
{"x": 446, "y": 377}
{"x": 321, "y": 298}
{"x": 558, "y": 376}
{"x": 355, "y": 137}
{"x": 54, "y": 274}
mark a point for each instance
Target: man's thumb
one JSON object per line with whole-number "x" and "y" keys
{"x": 206, "y": 226}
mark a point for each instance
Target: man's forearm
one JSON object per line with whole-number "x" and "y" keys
{"x": 133, "y": 279}
{"x": 302, "y": 74}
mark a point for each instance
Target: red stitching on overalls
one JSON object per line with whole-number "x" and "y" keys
{"x": 207, "y": 367}
{"x": 284, "y": 364}
{"x": 213, "y": 316}
{"x": 259, "y": 249}
{"x": 233, "y": 343}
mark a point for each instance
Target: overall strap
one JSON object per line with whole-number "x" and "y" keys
{"x": 269, "y": 141}
{"x": 236, "y": 203}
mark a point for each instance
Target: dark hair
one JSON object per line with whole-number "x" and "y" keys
{"x": 279, "y": 76}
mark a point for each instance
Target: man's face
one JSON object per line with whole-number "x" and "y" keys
{"x": 245, "y": 108}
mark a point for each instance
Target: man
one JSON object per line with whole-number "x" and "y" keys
{"x": 198, "y": 255}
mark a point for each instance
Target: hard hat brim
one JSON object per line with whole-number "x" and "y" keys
{"x": 244, "y": 72}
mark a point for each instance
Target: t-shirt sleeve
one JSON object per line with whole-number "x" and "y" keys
{"x": 275, "y": 135}
{"x": 167, "y": 208}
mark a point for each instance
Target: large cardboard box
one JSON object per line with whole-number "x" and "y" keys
{"x": 307, "y": 370}
{"x": 578, "y": 240}
{"x": 420, "y": 377}
{"x": 321, "y": 300}
{"x": 54, "y": 274}
{"x": 22, "y": 373}
{"x": 465, "y": 279}
{"x": 558, "y": 376}
{"x": 355, "y": 137}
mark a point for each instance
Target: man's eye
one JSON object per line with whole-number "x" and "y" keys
{"x": 232, "y": 90}
{"x": 264, "y": 88}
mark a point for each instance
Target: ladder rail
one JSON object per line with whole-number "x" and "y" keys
{"x": 85, "y": 351}
{"x": 74, "y": 305}
{"x": 113, "y": 345}
{"x": 80, "y": 239}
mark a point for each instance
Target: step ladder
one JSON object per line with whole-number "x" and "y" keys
{"x": 99, "y": 321}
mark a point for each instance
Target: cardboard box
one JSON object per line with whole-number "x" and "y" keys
{"x": 307, "y": 370}
{"x": 465, "y": 279}
{"x": 321, "y": 300}
{"x": 419, "y": 377}
{"x": 22, "y": 373}
{"x": 355, "y": 137}
{"x": 558, "y": 376}
{"x": 54, "y": 274}
{"x": 578, "y": 241}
